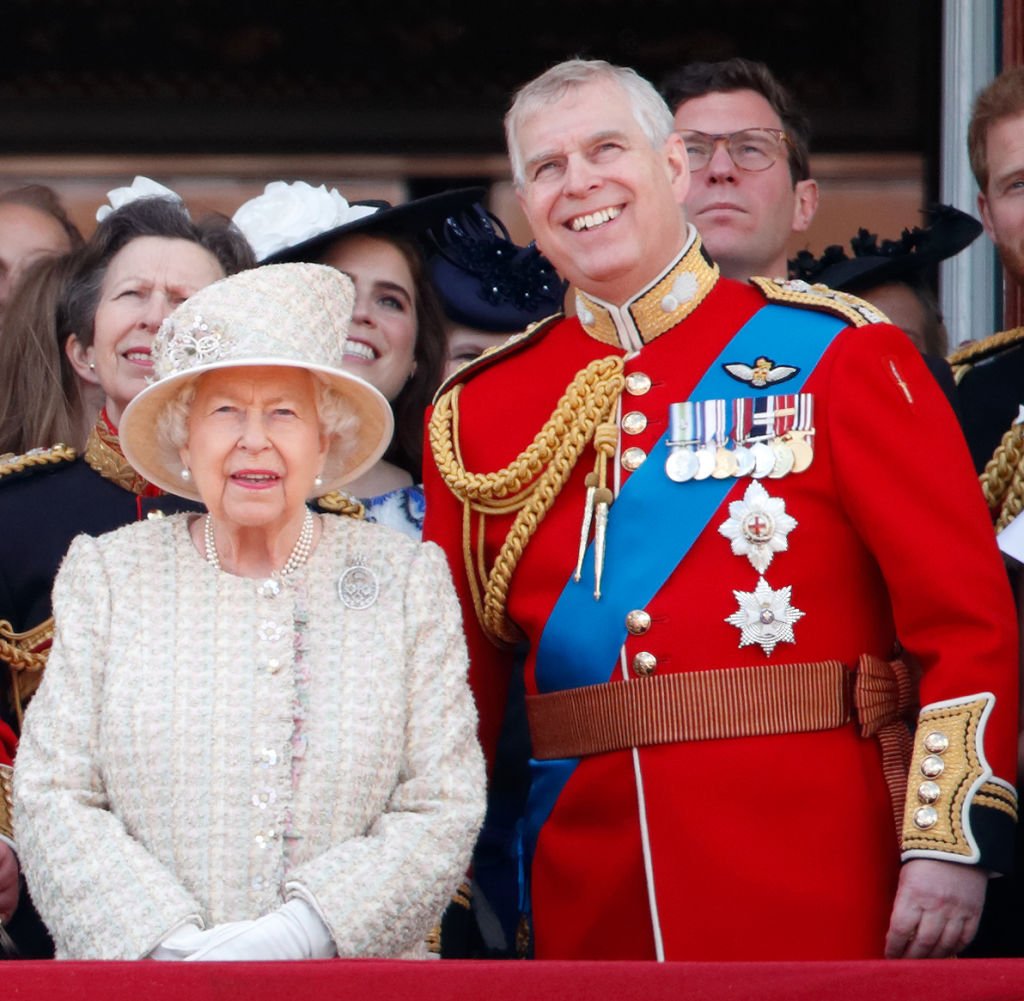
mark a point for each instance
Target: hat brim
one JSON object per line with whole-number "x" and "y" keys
{"x": 347, "y": 459}
{"x": 947, "y": 237}
{"x": 408, "y": 219}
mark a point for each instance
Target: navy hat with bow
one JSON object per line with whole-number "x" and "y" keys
{"x": 487, "y": 282}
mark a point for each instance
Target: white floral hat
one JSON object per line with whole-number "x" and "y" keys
{"x": 293, "y": 221}
{"x": 293, "y": 315}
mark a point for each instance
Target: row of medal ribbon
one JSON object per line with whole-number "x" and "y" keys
{"x": 770, "y": 436}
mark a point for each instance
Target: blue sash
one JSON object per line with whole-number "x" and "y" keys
{"x": 651, "y": 527}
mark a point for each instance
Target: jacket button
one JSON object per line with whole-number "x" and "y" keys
{"x": 638, "y": 622}
{"x": 638, "y": 383}
{"x": 633, "y": 458}
{"x": 644, "y": 663}
{"x": 634, "y": 422}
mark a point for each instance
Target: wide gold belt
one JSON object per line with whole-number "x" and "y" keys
{"x": 732, "y": 702}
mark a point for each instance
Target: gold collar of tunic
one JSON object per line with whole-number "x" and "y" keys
{"x": 672, "y": 297}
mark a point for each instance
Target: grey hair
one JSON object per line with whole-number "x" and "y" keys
{"x": 650, "y": 110}
{"x": 338, "y": 421}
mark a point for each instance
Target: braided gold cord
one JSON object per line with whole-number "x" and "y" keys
{"x": 528, "y": 485}
{"x": 1002, "y": 480}
{"x": 338, "y": 502}
{"x": 970, "y": 353}
{"x": 16, "y": 655}
{"x": 39, "y": 457}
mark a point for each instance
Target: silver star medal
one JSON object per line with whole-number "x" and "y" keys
{"x": 757, "y": 526}
{"x": 765, "y": 616}
{"x": 358, "y": 586}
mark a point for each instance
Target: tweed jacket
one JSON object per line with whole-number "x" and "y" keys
{"x": 154, "y": 782}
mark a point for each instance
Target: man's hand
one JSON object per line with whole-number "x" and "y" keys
{"x": 937, "y": 908}
{"x": 8, "y": 882}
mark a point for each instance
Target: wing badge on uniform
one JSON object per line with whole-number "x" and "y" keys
{"x": 764, "y": 372}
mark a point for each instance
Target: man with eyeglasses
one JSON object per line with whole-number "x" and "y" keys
{"x": 750, "y": 187}
{"x": 697, "y": 504}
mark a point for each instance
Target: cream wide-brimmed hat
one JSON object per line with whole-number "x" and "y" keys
{"x": 292, "y": 315}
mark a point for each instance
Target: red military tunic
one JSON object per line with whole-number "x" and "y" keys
{"x": 775, "y": 846}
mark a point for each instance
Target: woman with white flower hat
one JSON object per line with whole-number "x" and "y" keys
{"x": 397, "y": 337}
{"x": 255, "y": 739}
{"x": 144, "y": 259}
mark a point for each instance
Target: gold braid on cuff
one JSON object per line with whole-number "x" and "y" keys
{"x": 948, "y": 772}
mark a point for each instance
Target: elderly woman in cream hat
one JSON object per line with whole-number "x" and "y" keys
{"x": 254, "y": 739}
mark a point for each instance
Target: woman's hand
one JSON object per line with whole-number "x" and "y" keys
{"x": 293, "y": 931}
{"x": 938, "y": 905}
{"x": 9, "y": 871}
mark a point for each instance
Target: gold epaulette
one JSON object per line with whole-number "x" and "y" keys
{"x": 515, "y": 343}
{"x": 26, "y": 655}
{"x": 965, "y": 358}
{"x": 795, "y": 292}
{"x": 35, "y": 459}
{"x": 337, "y": 502}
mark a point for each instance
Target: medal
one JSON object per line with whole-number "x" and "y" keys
{"x": 800, "y": 438}
{"x": 764, "y": 460}
{"x": 783, "y": 459}
{"x": 680, "y": 465}
{"x": 744, "y": 461}
{"x": 725, "y": 463}
{"x": 765, "y": 616}
{"x": 705, "y": 462}
{"x": 800, "y": 446}
{"x": 758, "y": 526}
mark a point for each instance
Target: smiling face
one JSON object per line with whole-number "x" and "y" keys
{"x": 744, "y": 218}
{"x": 143, "y": 283}
{"x": 1002, "y": 203}
{"x": 382, "y": 336}
{"x": 255, "y": 445}
{"x": 603, "y": 204}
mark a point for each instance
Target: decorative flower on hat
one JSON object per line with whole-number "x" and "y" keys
{"x": 141, "y": 187}
{"x": 757, "y": 526}
{"x": 178, "y": 349}
{"x": 765, "y": 616}
{"x": 287, "y": 214}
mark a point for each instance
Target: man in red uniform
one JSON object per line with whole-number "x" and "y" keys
{"x": 710, "y": 507}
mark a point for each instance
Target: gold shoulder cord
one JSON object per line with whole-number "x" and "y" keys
{"x": 1002, "y": 480}
{"x": 528, "y": 485}
{"x": 10, "y": 463}
{"x": 964, "y": 358}
{"x": 337, "y": 502}
{"x": 26, "y": 665}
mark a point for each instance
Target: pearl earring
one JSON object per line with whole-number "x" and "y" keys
{"x": 318, "y": 482}
{"x": 185, "y": 474}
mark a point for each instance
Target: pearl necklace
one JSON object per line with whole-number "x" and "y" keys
{"x": 299, "y": 555}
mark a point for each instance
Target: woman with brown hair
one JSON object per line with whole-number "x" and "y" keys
{"x": 43, "y": 400}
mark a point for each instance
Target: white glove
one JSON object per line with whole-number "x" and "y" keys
{"x": 187, "y": 939}
{"x": 293, "y": 931}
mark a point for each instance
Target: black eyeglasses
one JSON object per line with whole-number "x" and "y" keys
{"x": 749, "y": 149}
